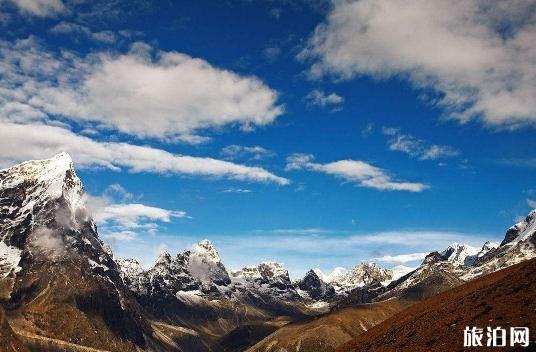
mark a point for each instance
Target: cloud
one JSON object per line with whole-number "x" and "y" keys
{"x": 40, "y": 8}
{"x": 120, "y": 236}
{"x": 272, "y": 53}
{"x": 368, "y": 130}
{"x": 43, "y": 141}
{"x": 335, "y": 242}
{"x": 75, "y": 29}
{"x": 402, "y": 258}
{"x": 120, "y": 219}
{"x": 478, "y": 56}
{"x": 129, "y": 215}
{"x": 319, "y": 98}
{"x": 531, "y": 203}
{"x": 145, "y": 93}
{"x": 528, "y": 162}
{"x": 236, "y": 190}
{"x": 360, "y": 172}
{"x": 234, "y": 151}
{"x": 417, "y": 148}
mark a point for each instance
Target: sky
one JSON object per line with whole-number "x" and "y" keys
{"x": 312, "y": 133}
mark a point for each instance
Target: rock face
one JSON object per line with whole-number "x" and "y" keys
{"x": 315, "y": 287}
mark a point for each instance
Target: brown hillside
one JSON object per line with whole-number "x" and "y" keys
{"x": 325, "y": 333}
{"x": 505, "y": 298}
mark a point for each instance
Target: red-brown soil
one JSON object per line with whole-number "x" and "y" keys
{"x": 506, "y": 298}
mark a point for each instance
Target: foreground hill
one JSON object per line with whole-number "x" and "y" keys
{"x": 504, "y": 298}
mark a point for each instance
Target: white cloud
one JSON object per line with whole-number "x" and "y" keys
{"x": 120, "y": 236}
{"x": 360, "y": 172}
{"x": 43, "y": 141}
{"x": 479, "y": 56}
{"x": 146, "y": 93}
{"x": 80, "y": 30}
{"x": 236, "y": 190}
{"x": 120, "y": 219}
{"x": 40, "y": 8}
{"x": 129, "y": 215}
{"x": 234, "y": 151}
{"x": 326, "y": 241}
{"x": 416, "y": 147}
{"x": 531, "y": 203}
{"x": 402, "y": 258}
{"x": 319, "y": 98}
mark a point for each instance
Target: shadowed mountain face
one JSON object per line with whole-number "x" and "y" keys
{"x": 504, "y": 298}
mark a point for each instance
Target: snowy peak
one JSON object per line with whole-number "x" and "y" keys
{"x": 337, "y": 272}
{"x": 460, "y": 254}
{"x": 361, "y": 275}
{"x": 51, "y": 175}
{"x": 36, "y": 183}
{"x": 487, "y": 247}
{"x": 129, "y": 267}
{"x": 521, "y": 231}
{"x": 273, "y": 270}
{"x": 272, "y": 274}
{"x": 206, "y": 249}
{"x": 401, "y": 270}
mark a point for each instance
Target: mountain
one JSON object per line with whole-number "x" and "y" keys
{"x": 504, "y": 298}
{"x": 459, "y": 263}
{"x": 315, "y": 287}
{"x": 54, "y": 268}
{"x": 519, "y": 244}
{"x": 198, "y": 270}
{"x": 360, "y": 275}
{"x": 269, "y": 274}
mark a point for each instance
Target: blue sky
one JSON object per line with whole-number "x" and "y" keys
{"x": 312, "y": 133}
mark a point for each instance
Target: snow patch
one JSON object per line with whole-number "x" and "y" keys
{"x": 9, "y": 260}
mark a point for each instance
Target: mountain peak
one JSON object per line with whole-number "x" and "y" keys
{"x": 206, "y": 249}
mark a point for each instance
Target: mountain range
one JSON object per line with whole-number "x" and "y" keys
{"x": 55, "y": 270}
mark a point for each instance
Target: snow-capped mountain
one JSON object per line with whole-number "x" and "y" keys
{"x": 519, "y": 244}
{"x": 401, "y": 270}
{"x": 460, "y": 262}
{"x": 272, "y": 274}
{"x": 360, "y": 275}
{"x": 460, "y": 254}
{"x": 54, "y": 268}
{"x": 198, "y": 269}
{"x": 49, "y": 243}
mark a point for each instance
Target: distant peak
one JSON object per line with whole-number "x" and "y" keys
{"x": 206, "y": 249}
{"x": 164, "y": 257}
{"x": 63, "y": 156}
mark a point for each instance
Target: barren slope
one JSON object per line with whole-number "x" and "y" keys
{"x": 325, "y": 333}
{"x": 504, "y": 298}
